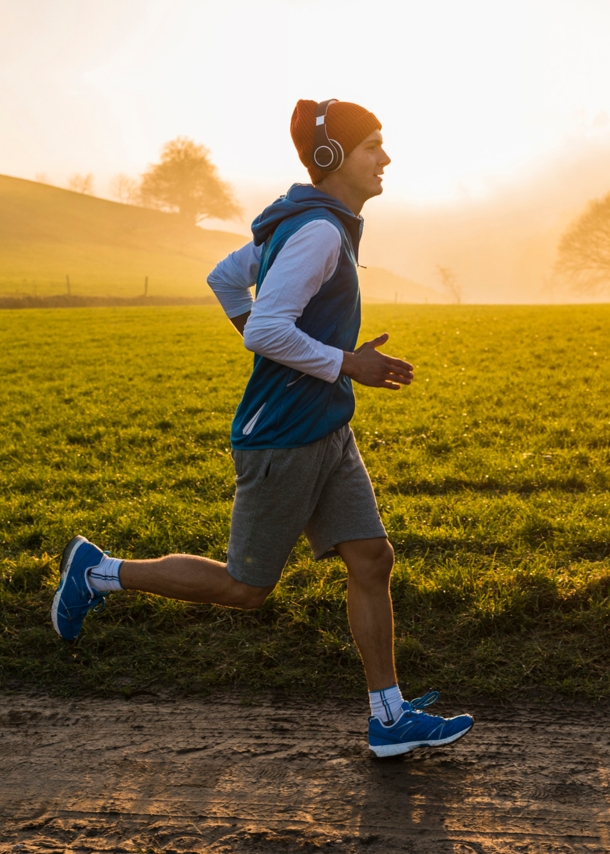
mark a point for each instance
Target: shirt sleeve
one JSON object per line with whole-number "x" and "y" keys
{"x": 307, "y": 260}
{"x": 232, "y": 279}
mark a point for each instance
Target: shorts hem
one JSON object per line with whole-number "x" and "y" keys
{"x": 328, "y": 550}
{"x": 257, "y": 583}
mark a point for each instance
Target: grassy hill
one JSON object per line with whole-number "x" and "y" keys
{"x": 108, "y": 249}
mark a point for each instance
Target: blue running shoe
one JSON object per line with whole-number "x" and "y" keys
{"x": 416, "y": 728}
{"x": 74, "y": 597}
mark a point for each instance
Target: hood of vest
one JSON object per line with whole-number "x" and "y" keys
{"x": 300, "y": 198}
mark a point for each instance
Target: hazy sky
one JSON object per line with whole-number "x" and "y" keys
{"x": 470, "y": 93}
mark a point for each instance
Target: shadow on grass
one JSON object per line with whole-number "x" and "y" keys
{"x": 490, "y": 486}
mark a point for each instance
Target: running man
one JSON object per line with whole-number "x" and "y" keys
{"x": 297, "y": 465}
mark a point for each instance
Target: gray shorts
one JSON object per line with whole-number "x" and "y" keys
{"x": 322, "y": 489}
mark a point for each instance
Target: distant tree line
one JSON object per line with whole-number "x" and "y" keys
{"x": 185, "y": 181}
{"x": 77, "y": 182}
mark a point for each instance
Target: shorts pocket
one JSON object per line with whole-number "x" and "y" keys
{"x": 268, "y": 467}
{"x": 253, "y": 467}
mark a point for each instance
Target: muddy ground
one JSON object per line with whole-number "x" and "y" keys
{"x": 151, "y": 774}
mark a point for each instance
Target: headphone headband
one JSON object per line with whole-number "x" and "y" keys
{"x": 327, "y": 153}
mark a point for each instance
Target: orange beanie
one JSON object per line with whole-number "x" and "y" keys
{"x": 348, "y": 123}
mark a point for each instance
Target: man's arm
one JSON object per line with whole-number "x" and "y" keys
{"x": 307, "y": 260}
{"x": 231, "y": 281}
{"x": 299, "y": 271}
{"x": 366, "y": 366}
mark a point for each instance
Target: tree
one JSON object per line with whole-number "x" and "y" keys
{"x": 125, "y": 189}
{"x": 450, "y": 284}
{"x": 81, "y": 183}
{"x": 583, "y": 253}
{"x": 187, "y": 181}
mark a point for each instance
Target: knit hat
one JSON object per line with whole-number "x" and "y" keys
{"x": 348, "y": 123}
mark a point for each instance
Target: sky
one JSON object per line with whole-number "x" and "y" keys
{"x": 469, "y": 93}
{"x": 474, "y": 97}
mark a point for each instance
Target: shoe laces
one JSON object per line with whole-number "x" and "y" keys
{"x": 95, "y": 609}
{"x": 425, "y": 701}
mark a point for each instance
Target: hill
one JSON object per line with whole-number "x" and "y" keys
{"x": 108, "y": 249}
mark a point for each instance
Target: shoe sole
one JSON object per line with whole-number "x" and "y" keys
{"x": 64, "y": 569}
{"x": 384, "y": 750}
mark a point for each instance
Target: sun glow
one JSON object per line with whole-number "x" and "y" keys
{"x": 496, "y": 115}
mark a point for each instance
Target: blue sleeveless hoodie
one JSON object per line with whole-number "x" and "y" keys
{"x": 281, "y": 407}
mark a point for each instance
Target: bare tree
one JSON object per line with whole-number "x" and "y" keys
{"x": 125, "y": 189}
{"x": 450, "y": 284}
{"x": 583, "y": 253}
{"x": 81, "y": 183}
{"x": 186, "y": 181}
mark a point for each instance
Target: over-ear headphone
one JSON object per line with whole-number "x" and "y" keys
{"x": 327, "y": 153}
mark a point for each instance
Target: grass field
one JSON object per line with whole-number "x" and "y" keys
{"x": 492, "y": 475}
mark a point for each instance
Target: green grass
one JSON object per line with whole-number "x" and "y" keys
{"x": 492, "y": 475}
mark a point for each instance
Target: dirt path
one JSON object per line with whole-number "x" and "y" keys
{"x": 149, "y": 775}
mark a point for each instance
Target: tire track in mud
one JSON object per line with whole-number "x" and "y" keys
{"x": 151, "y": 775}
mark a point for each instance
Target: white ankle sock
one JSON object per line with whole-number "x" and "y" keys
{"x": 386, "y": 704}
{"x": 105, "y": 577}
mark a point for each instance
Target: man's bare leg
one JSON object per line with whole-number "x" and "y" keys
{"x": 369, "y": 565}
{"x": 191, "y": 578}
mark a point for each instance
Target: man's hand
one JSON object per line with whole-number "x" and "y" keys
{"x": 369, "y": 367}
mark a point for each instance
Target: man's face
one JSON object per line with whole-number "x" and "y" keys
{"x": 363, "y": 167}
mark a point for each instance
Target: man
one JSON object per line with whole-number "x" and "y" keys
{"x": 297, "y": 465}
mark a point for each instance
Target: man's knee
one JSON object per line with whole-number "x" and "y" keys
{"x": 248, "y": 597}
{"x": 368, "y": 559}
{"x": 382, "y": 560}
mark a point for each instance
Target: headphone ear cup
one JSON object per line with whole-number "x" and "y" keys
{"x": 329, "y": 156}
{"x": 325, "y": 156}
{"x": 327, "y": 153}
{"x": 339, "y": 155}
